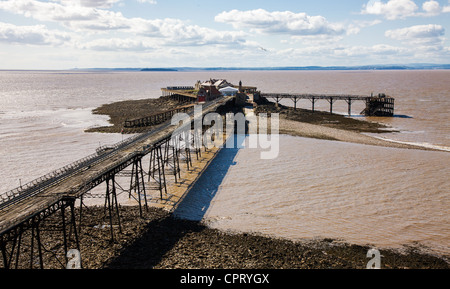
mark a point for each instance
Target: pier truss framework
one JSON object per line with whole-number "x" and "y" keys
{"x": 166, "y": 159}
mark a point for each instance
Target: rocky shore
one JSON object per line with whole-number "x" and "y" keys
{"x": 119, "y": 112}
{"x": 160, "y": 241}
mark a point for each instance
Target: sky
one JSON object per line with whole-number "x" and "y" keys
{"x": 66, "y": 34}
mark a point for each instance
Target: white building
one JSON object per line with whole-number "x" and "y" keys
{"x": 229, "y": 91}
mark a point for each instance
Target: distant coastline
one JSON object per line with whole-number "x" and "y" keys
{"x": 415, "y": 66}
{"x": 400, "y": 67}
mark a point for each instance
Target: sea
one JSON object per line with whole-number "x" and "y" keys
{"x": 361, "y": 194}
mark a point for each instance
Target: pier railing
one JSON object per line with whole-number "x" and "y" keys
{"x": 180, "y": 88}
{"x": 36, "y": 185}
{"x": 44, "y": 181}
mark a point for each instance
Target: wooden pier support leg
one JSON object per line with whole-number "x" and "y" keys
{"x": 164, "y": 178}
{"x": 331, "y": 104}
{"x": 177, "y": 152}
{"x": 4, "y": 253}
{"x": 167, "y": 152}
{"x": 143, "y": 184}
{"x": 132, "y": 183}
{"x": 295, "y": 102}
{"x": 35, "y": 234}
{"x": 151, "y": 171}
{"x": 136, "y": 189}
{"x": 159, "y": 171}
{"x": 108, "y": 199}
{"x": 18, "y": 247}
{"x": 74, "y": 225}
{"x": 63, "y": 220}
{"x": 81, "y": 215}
{"x": 16, "y": 236}
{"x": 313, "y": 101}
{"x": 114, "y": 192}
{"x": 175, "y": 168}
{"x": 31, "y": 246}
{"x": 161, "y": 174}
{"x": 137, "y": 182}
{"x": 188, "y": 157}
{"x": 349, "y": 101}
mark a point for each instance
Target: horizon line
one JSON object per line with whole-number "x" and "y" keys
{"x": 413, "y": 66}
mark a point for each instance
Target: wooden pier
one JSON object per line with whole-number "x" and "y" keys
{"x": 157, "y": 118}
{"x": 380, "y": 105}
{"x": 180, "y": 93}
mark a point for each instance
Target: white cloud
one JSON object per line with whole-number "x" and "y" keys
{"x": 90, "y": 3}
{"x": 393, "y": 9}
{"x": 93, "y": 20}
{"x": 432, "y": 7}
{"x": 33, "y": 35}
{"x": 446, "y": 9}
{"x": 401, "y": 9}
{"x": 262, "y": 21}
{"x": 369, "y": 51}
{"x": 417, "y": 32}
{"x": 421, "y": 39}
{"x": 147, "y": 1}
{"x": 356, "y": 26}
{"x": 70, "y": 14}
{"x": 119, "y": 44}
{"x": 99, "y": 3}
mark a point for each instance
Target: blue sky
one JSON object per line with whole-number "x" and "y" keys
{"x": 63, "y": 34}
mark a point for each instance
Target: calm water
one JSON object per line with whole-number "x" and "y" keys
{"x": 363, "y": 194}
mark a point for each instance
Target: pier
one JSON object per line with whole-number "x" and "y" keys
{"x": 157, "y": 118}
{"x": 380, "y": 105}
{"x": 180, "y": 93}
{"x": 145, "y": 161}
{"x": 25, "y": 208}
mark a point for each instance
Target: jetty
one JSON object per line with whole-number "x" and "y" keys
{"x": 157, "y": 118}
{"x": 380, "y": 105}
{"x": 24, "y": 209}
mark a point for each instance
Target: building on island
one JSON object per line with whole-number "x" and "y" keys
{"x": 229, "y": 91}
{"x": 212, "y": 89}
